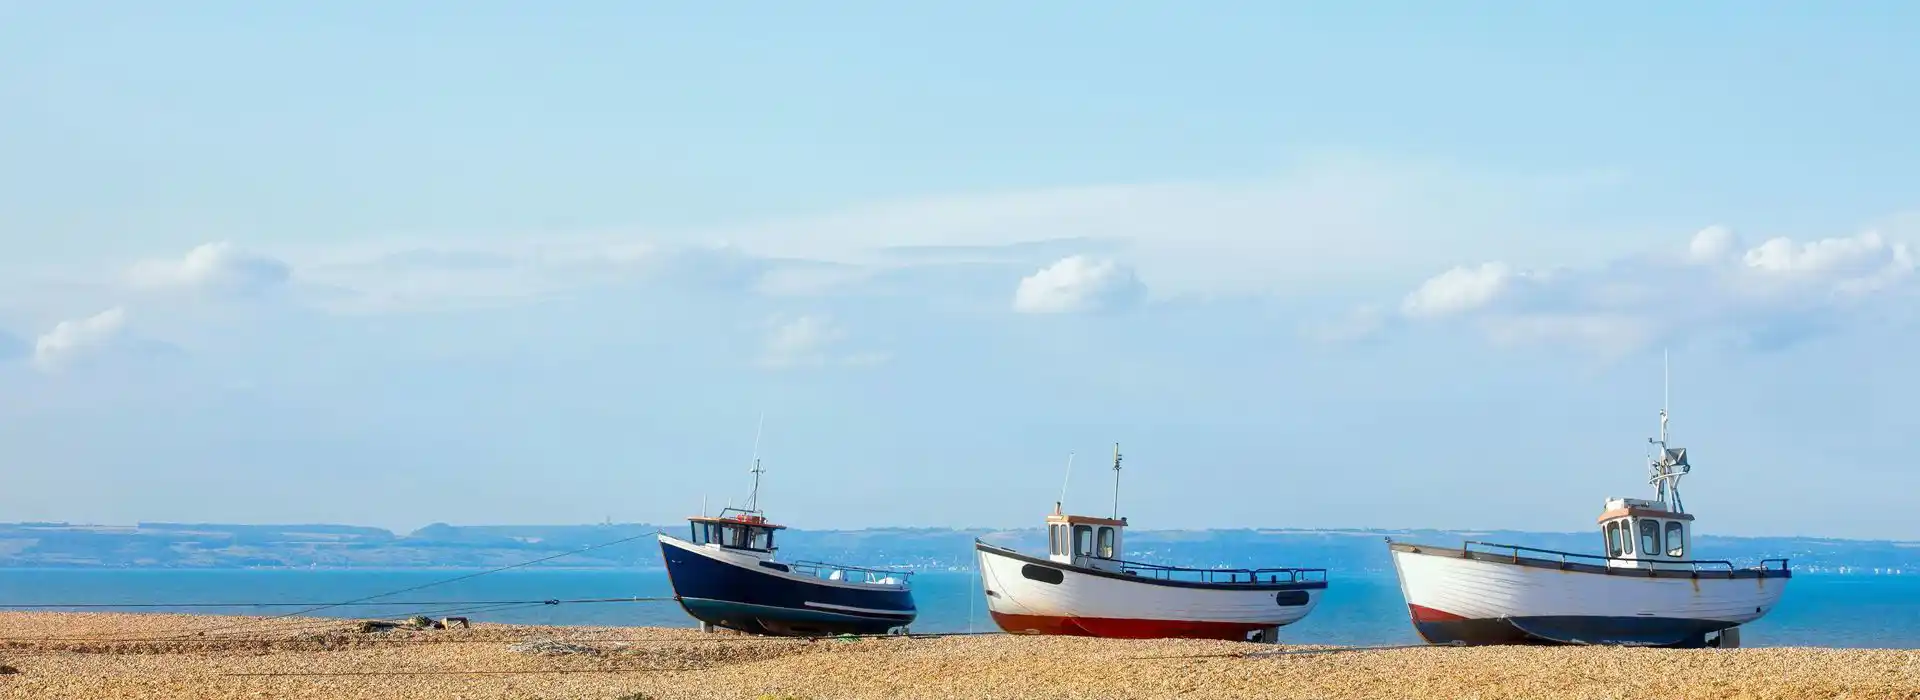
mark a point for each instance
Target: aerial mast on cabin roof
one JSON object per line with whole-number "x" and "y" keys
{"x": 1063, "y": 484}
{"x": 1671, "y": 462}
{"x": 1116, "y": 481}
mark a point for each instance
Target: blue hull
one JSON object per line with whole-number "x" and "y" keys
{"x": 763, "y": 602}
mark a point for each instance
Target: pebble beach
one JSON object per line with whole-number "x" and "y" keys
{"x": 95, "y": 656}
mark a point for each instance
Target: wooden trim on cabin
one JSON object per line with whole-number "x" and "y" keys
{"x": 1642, "y": 513}
{"x": 732, "y": 521}
{"x": 1083, "y": 520}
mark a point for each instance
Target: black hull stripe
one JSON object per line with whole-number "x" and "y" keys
{"x": 1048, "y": 563}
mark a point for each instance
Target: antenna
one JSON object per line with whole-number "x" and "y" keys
{"x": 1671, "y": 464}
{"x": 1116, "y": 481}
{"x": 753, "y": 499}
{"x": 1666, "y": 394}
{"x": 1064, "y": 482}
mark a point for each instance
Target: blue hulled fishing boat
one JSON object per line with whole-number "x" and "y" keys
{"x": 725, "y": 574}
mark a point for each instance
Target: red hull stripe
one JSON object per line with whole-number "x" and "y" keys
{"x": 1122, "y": 628}
{"x": 1422, "y": 613}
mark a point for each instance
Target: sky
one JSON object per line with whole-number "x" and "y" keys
{"x": 1366, "y": 264}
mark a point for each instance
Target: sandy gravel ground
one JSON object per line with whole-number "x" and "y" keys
{"x": 160, "y": 657}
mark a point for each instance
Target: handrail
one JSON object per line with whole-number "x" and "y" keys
{"x": 1695, "y": 564}
{"x": 1163, "y": 571}
{"x": 873, "y": 575}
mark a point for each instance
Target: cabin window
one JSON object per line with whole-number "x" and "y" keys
{"x": 1614, "y": 546}
{"x": 1649, "y": 537}
{"x": 763, "y": 539}
{"x": 1056, "y": 542}
{"x": 1106, "y": 543}
{"x": 1676, "y": 539}
{"x": 1082, "y": 540}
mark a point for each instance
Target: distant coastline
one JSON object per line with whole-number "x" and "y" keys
{"x": 330, "y": 546}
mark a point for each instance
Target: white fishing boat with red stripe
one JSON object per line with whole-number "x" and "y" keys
{"x": 1645, "y": 590}
{"x": 1084, "y": 588}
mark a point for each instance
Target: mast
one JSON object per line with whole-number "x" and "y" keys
{"x": 1116, "y": 481}
{"x": 753, "y": 498}
{"x": 1671, "y": 463}
{"x": 1063, "y": 484}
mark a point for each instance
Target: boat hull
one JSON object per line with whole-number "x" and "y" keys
{"x": 1028, "y": 595}
{"x": 1459, "y": 597}
{"x": 735, "y": 591}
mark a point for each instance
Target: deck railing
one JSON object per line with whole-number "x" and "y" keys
{"x": 1514, "y": 550}
{"x": 853, "y": 574}
{"x": 1246, "y": 576}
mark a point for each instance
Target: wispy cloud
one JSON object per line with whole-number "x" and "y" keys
{"x": 810, "y": 341}
{"x": 1333, "y": 221}
{"x": 80, "y": 339}
{"x": 217, "y": 268}
{"x": 1771, "y": 293}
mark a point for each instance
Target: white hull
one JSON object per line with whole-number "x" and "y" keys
{"x": 1117, "y": 605}
{"x": 1475, "y": 600}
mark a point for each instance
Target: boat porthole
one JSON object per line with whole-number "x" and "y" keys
{"x": 1290, "y": 598}
{"x": 1042, "y": 574}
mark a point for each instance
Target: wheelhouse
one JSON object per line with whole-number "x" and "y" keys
{"x": 1640, "y": 532}
{"x": 1085, "y": 541}
{"x": 734, "y": 529}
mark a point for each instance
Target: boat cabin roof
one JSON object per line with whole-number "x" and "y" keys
{"x": 1059, "y": 519}
{"x": 747, "y": 520}
{"x": 1638, "y": 508}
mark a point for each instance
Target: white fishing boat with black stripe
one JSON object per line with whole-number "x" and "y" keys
{"x": 1084, "y": 588}
{"x": 1645, "y": 590}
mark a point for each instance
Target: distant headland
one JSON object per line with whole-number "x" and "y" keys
{"x": 217, "y": 546}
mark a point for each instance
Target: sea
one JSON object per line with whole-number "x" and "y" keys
{"x": 1830, "y": 610}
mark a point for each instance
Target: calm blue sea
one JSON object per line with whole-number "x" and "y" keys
{"x": 1819, "y": 610}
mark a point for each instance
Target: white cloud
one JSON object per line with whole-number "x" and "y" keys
{"x": 1459, "y": 290}
{"x": 1775, "y": 292}
{"x": 73, "y": 341}
{"x": 220, "y": 268}
{"x": 1078, "y": 284}
{"x": 1712, "y": 244}
{"x": 810, "y": 341}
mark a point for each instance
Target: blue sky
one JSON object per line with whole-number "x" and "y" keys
{"x": 1373, "y": 264}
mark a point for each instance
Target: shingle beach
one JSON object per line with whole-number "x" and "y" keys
{"x": 96, "y": 656}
